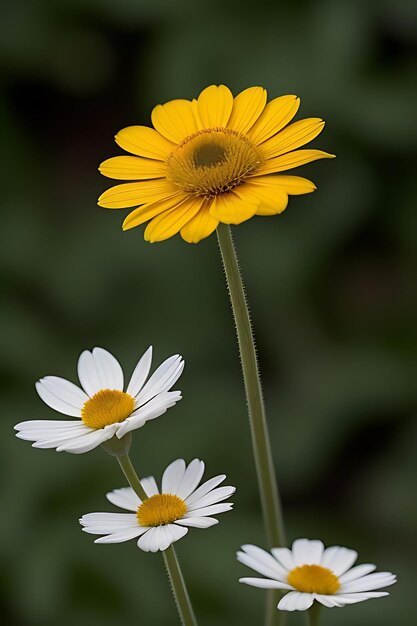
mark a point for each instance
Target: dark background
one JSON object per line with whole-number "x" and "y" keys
{"x": 331, "y": 284}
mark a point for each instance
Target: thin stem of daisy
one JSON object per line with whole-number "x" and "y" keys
{"x": 179, "y": 589}
{"x": 132, "y": 478}
{"x": 268, "y": 488}
{"x": 260, "y": 438}
{"x": 314, "y": 614}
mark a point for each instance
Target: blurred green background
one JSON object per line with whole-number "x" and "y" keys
{"x": 331, "y": 285}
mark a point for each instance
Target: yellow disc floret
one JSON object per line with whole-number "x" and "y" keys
{"x": 160, "y": 509}
{"x": 314, "y": 579}
{"x": 212, "y": 162}
{"x": 107, "y": 406}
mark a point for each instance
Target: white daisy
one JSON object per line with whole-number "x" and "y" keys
{"x": 103, "y": 408}
{"x": 309, "y": 572}
{"x": 165, "y": 516}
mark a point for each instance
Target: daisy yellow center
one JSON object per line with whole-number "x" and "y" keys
{"x": 212, "y": 161}
{"x": 160, "y": 509}
{"x": 107, "y": 406}
{"x": 314, "y": 579}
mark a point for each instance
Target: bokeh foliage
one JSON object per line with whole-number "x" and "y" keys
{"x": 331, "y": 284}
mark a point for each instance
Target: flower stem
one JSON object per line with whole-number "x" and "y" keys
{"x": 268, "y": 488}
{"x": 178, "y": 587}
{"x": 314, "y": 614}
{"x": 175, "y": 576}
{"x": 259, "y": 428}
{"x": 132, "y": 478}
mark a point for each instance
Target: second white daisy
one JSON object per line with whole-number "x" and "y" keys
{"x": 167, "y": 514}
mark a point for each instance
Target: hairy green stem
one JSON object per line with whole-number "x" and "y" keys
{"x": 175, "y": 576}
{"x": 268, "y": 487}
{"x": 178, "y": 587}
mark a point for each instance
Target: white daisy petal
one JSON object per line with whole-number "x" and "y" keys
{"x": 217, "y": 495}
{"x": 368, "y": 583}
{"x": 87, "y": 442}
{"x": 162, "y": 379}
{"x": 301, "y": 551}
{"x": 125, "y": 498}
{"x": 284, "y": 557}
{"x": 87, "y": 373}
{"x": 108, "y": 369}
{"x": 296, "y": 601}
{"x": 261, "y": 566}
{"x": 198, "y": 522}
{"x": 149, "y": 485}
{"x": 329, "y": 601}
{"x": 353, "y": 598}
{"x": 55, "y": 438}
{"x": 264, "y": 583}
{"x": 315, "y": 552}
{"x": 103, "y": 523}
{"x": 144, "y": 541}
{"x": 158, "y": 539}
{"x": 154, "y": 408}
{"x": 262, "y": 556}
{"x": 304, "y": 601}
{"x": 338, "y": 559}
{"x": 357, "y": 572}
{"x": 45, "y": 424}
{"x": 215, "y": 509}
{"x": 173, "y": 476}
{"x": 177, "y": 532}
{"x": 119, "y": 537}
{"x": 140, "y": 373}
{"x": 37, "y": 430}
{"x": 193, "y": 475}
{"x": 66, "y": 390}
{"x": 56, "y": 403}
{"x": 205, "y": 488}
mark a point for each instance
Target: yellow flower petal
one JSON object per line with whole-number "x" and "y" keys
{"x": 247, "y": 107}
{"x": 292, "y": 137}
{"x": 146, "y": 212}
{"x": 290, "y": 160}
{"x": 200, "y": 226}
{"x": 215, "y": 104}
{"x": 275, "y": 116}
{"x": 132, "y": 194}
{"x": 175, "y": 120}
{"x": 229, "y": 208}
{"x": 170, "y": 222}
{"x": 132, "y": 168}
{"x": 292, "y": 185}
{"x": 270, "y": 199}
{"x": 145, "y": 142}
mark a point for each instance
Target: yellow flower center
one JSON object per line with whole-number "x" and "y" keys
{"x": 212, "y": 161}
{"x": 160, "y": 509}
{"x": 313, "y": 579}
{"x": 107, "y": 406}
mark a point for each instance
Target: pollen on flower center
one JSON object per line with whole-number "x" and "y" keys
{"x": 161, "y": 509}
{"x": 212, "y": 161}
{"x": 107, "y": 406}
{"x": 313, "y": 579}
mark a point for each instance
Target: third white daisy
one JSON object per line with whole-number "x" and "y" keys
{"x": 309, "y": 572}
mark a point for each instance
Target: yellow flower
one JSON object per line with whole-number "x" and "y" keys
{"x": 210, "y": 160}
